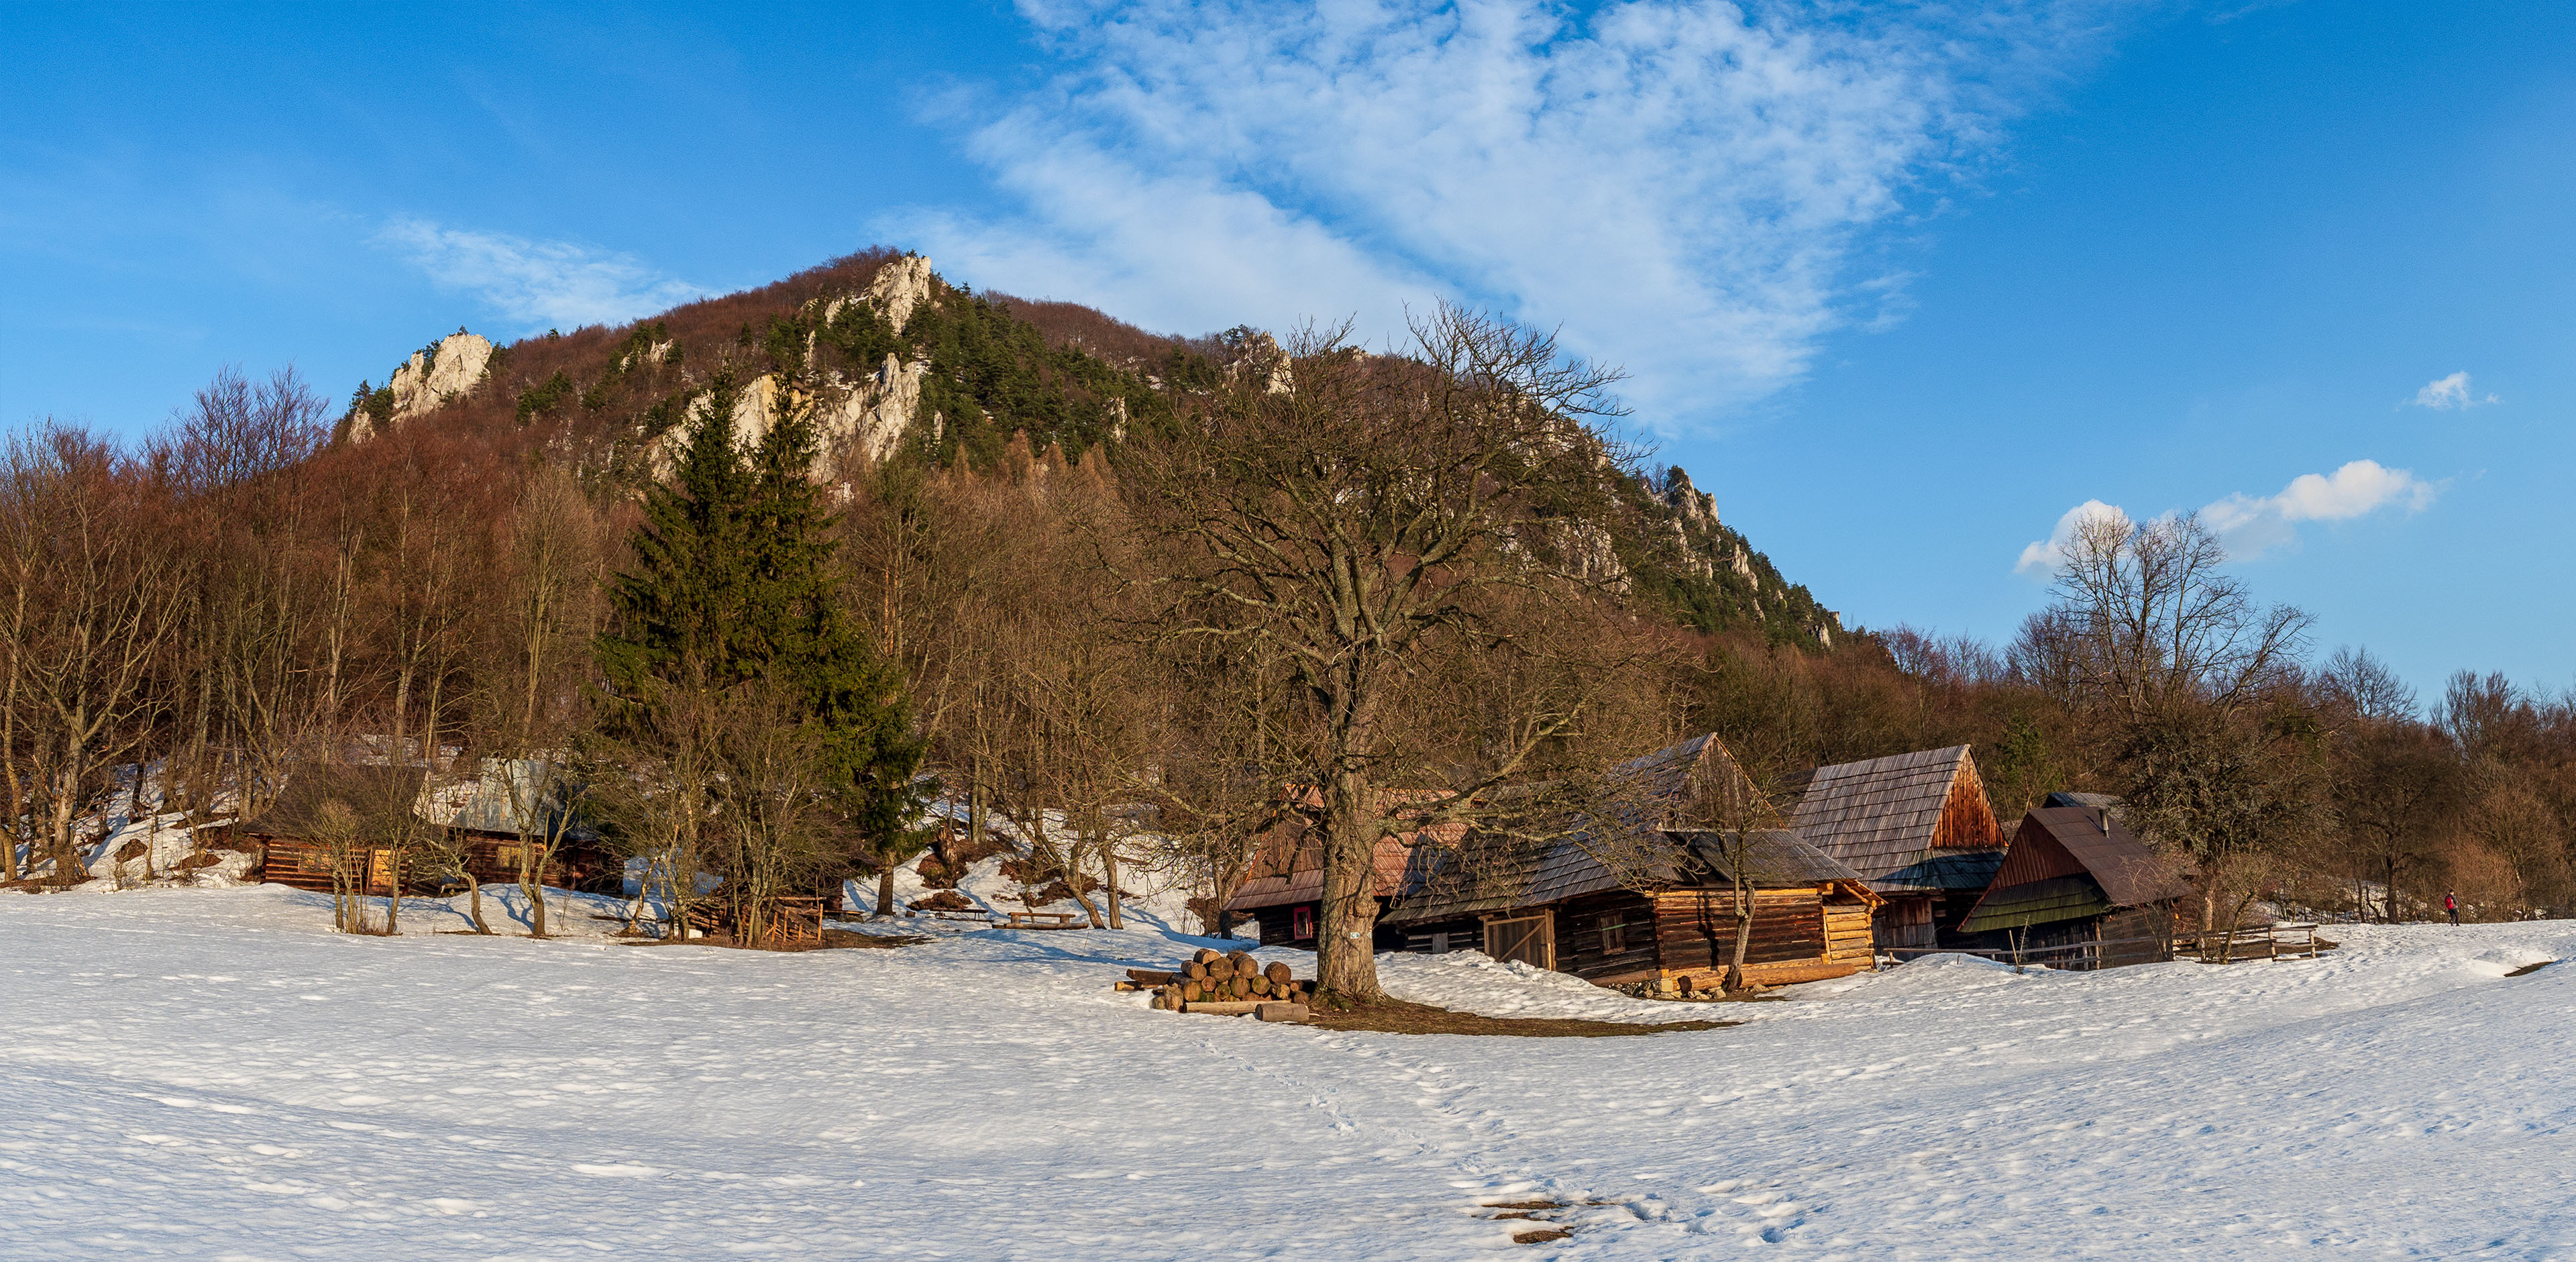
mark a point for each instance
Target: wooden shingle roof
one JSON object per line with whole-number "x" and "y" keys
{"x": 1915, "y": 823}
{"x": 1769, "y": 858}
{"x": 1619, "y": 842}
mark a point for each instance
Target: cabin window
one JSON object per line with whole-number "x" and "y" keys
{"x": 1440, "y": 944}
{"x": 506, "y": 856}
{"x": 1301, "y": 923}
{"x": 1614, "y": 935}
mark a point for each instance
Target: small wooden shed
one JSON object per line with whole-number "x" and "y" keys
{"x": 291, "y": 834}
{"x": 1918, "y": 829}
{"x": 474, "y": 813}
{"x": 1284, "y": 893}
{"x": 2078, "y": 890}
{"x": 1620, "y": 897}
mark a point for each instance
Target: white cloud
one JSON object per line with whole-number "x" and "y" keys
{"x": 2450, "y": 394}
{"x": 1679, "y": 185}
{"x": 2250, "y": 525}
{"x": 538, "y": 283}
{"x": 2043, "y": 557}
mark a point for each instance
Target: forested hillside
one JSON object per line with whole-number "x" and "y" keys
{"x": 962, "y": 377}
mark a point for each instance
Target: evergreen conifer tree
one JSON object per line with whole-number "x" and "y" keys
{"x": 732, "y": 584}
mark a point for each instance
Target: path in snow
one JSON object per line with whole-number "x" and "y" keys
{"x": 210, "y": 1074}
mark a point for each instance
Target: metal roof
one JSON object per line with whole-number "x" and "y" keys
{"x": 1883, "y": 817}
{"x": 2128, "y": 871}
{"x": 2038, "y": 903}
{"x": 2068, "y": 862}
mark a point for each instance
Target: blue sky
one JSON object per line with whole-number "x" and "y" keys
{"x": 1903, "y": 288}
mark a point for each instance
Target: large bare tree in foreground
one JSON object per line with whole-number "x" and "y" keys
{"x": 1355, "y": 515}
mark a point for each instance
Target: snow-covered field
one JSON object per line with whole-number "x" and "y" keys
{"x": 212, "y": 1074}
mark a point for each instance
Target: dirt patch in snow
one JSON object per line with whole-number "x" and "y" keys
{"x": 1398, "y": 1017}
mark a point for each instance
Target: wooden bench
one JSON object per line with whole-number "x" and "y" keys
{"x": 1042, "y": 920}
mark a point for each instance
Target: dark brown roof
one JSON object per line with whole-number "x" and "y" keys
{"x": 1303, "y": 882}
{"x": 1883, "y": 816}
{"x": 367, "y": 792}
{"x": 1289, "y": 868}
{"x": 2068, "y": 862}
{"x": 2129, "y": 872}
{"x": 1618, "y": 843}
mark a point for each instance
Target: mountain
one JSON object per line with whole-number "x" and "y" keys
{"x": 901, "y": 365}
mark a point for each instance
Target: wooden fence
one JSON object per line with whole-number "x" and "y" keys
{"x": 2286, "y": 941}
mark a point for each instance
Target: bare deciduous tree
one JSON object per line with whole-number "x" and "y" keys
{"x": 1349, "y": 511}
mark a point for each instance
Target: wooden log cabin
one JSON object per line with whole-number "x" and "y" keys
{"x": 1284, "y": 892}
{"x": 2078, "y": 890}
{"x": 1918, "y": 829}
{"x": 1620, "y": 898}
{"x": 473, "y": 814}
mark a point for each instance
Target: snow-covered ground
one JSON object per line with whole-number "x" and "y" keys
{"x": 212, "y": 1074}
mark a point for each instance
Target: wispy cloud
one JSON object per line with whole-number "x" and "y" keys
{"x": 536, "y": 283}
{"x": 2450, "y": 394}
{"x": 1680, "y": 184}
{"x": 2250, "y": 525}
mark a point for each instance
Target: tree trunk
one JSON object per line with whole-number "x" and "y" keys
{"x": 474, "y": 903}
{"x": 885, "y": 891}
{"x": 1109, "y": 870}
{"x": 1347, "y": 964}
{"x": 1743, "y": 932}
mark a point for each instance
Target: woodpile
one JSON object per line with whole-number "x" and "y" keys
{"x": 1227, "y": 983}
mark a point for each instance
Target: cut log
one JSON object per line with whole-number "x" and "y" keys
{"x": 1277, "y": 973}
{"x": 1193, "y": 991}
{"x": 1282, "y": 1011}
{"x": 1239, "y": 987}
{"x": 1207, "y": 955}
{"x": 1198, "y": 969}
{"x": 1242, "y": 961}
{"x": 1148, "y": 976}
{"x": 1224, "y": 1009}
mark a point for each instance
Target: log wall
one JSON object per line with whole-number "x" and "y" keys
{"x": 1627, "y": 921}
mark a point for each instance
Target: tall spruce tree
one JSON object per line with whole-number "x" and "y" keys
{"x": 732, "y": 584}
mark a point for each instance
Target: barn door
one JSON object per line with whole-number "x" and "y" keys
{"x": 1531, "y": 939}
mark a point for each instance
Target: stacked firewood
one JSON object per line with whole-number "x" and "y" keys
{"x": 1216, "y": 977}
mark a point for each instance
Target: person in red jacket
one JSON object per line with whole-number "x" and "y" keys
{"x": 2451, "y": 904}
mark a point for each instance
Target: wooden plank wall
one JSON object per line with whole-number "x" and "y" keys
{"x": 1904, "y": 922}
{"x": 1579, "y": 938}
{"x": 1967, "y": 818}
{"x": 1695, "y": 929}
{"x": 307, "y": 865}
{"x": 1847, "y": 934}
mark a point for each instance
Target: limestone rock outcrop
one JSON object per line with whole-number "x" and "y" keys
{"x": 857, "y": 423}
{"x": 429, "y": 378}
